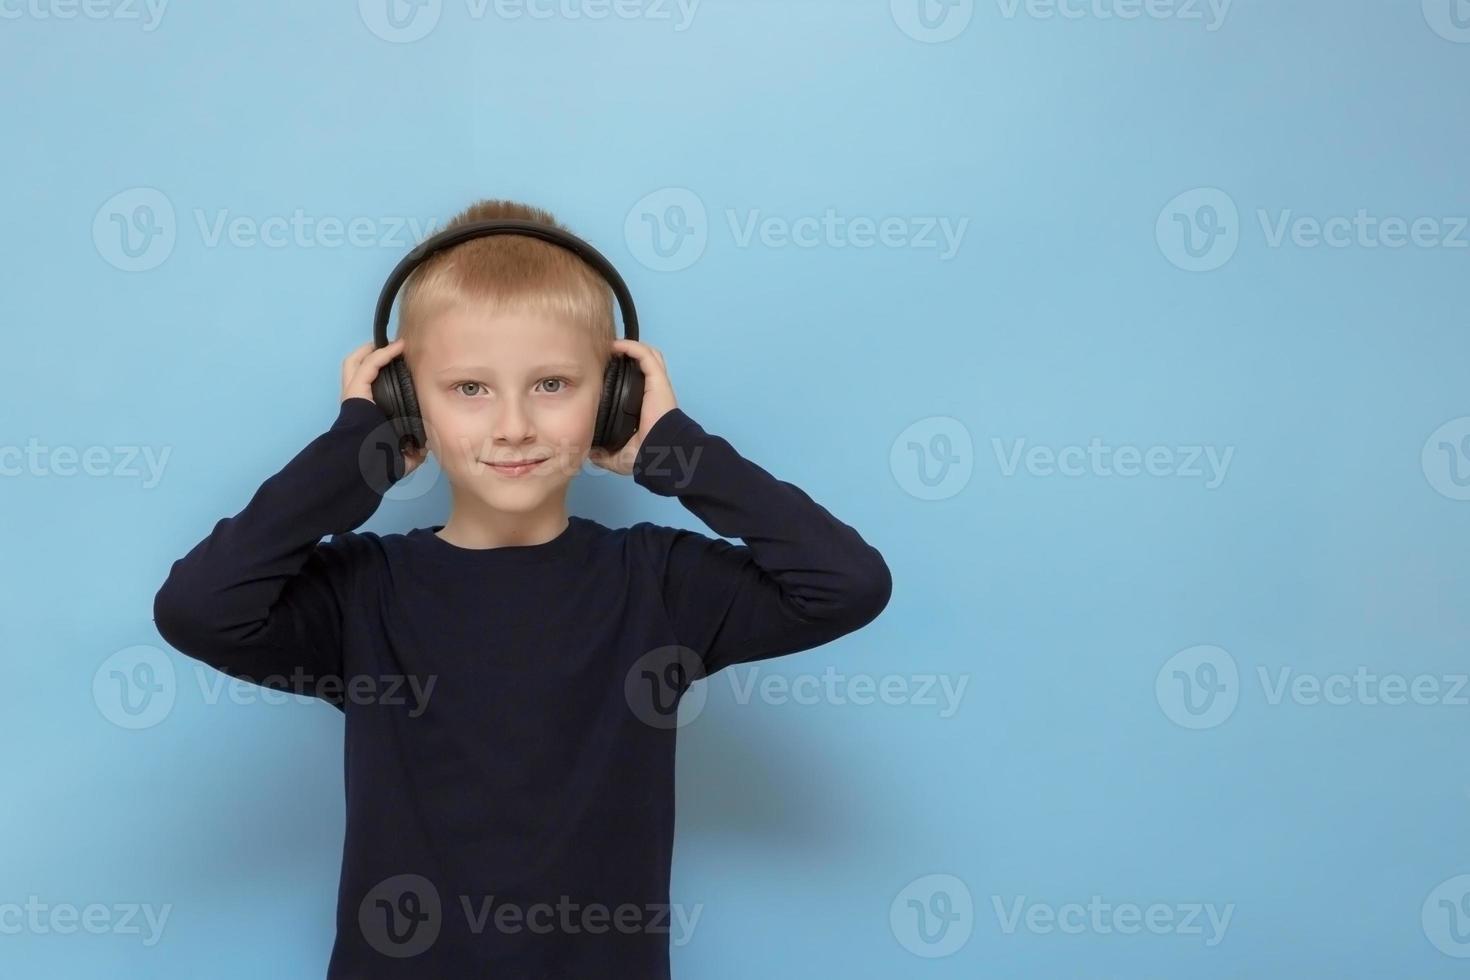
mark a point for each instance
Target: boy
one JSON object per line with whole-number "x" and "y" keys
{"x": 508, "y": 677}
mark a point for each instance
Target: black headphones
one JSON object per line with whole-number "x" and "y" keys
{"x": 622, "y": 381}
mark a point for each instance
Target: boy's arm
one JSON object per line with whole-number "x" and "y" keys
{"x": 261, "y": 597}
{"x": 802, "y": 578}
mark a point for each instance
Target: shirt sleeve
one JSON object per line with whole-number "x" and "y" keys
{"x": 802, "y": 578}
{"x": 262, "y": 598}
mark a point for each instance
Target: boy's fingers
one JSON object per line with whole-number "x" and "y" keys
{"x": 645, "y": 355}
{"x": 355, "y": 359}
{"x": 377, "y": 357}
{"x": 383, "y": 355}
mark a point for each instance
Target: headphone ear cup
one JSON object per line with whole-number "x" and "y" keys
{"x": 393, "y": 391}
{"x": 605, "y": 403}
{"x": 412, "y": 415}
{"x": 621, "y": 405}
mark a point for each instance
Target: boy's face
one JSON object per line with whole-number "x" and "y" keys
{"x": 513, "y": 386}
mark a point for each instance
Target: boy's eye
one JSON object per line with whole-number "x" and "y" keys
{"x": 478, "y": 387}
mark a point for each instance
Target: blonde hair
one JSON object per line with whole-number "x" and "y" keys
{"x": 507, "y": 274}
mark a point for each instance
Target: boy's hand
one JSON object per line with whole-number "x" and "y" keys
{"x": 359, "y": 371}
{"x": 658, "y": 398}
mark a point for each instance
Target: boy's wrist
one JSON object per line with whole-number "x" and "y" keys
{"x": 661, "y": 459}
{"x": 357, "y": 411}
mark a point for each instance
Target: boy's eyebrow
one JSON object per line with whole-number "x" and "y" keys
{"x": 482, "y": 369}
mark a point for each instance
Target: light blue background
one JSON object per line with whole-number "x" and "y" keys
{"x": 1332, "y": 543}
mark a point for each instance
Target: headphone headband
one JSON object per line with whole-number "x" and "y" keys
{"x": 435, "y": 244}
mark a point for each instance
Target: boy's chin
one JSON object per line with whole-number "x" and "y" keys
{"x": 518, "y": 498}
{"x": 523, "y": 493}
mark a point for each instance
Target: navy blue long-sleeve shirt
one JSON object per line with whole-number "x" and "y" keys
{"x": 510, "y": 712}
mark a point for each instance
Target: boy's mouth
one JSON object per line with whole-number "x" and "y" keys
{"x": 516, "y": 467}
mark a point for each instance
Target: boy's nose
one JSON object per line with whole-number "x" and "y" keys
{"x": 513, "y": 424}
